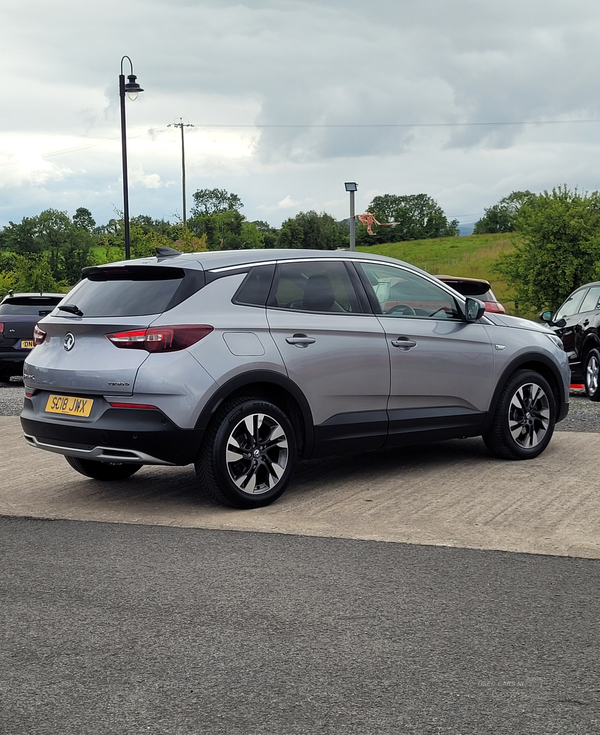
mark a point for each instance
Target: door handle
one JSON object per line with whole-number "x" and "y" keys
{"x": 300, "y": 340}
{"x": 404, "y": 343}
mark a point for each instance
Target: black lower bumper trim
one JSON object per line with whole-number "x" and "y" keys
{"x": 149, "y": 432}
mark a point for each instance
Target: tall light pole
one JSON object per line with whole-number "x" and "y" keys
{"x": 351, "y": 186}
{"x": 131, "y": 89}
{"x": 182, "y": 125}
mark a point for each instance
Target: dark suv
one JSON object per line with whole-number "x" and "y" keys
{"x": 577, "y": 323}
{"x": 19, "y": 313}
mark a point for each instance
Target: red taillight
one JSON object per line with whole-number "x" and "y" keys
{"x": 38, "y": 336}
{"x": 1, "y": 327}
{"x": 161, "y": 339}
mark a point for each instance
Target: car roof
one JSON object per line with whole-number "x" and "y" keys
{"x": 220, "y": 259}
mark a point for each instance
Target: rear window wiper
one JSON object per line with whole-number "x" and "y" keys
{"x": 71, "y": 308}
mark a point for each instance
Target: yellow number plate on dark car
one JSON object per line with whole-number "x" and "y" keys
{"x": 69, "y": 405}
{"x": 26, "y": 344}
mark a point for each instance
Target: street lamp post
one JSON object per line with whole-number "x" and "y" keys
{"x": 131, "y": 89}
{"x": 182, "y": 125}
{"x": 352, "y": 187}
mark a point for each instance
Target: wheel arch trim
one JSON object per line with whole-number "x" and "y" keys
{"x": 263, "y": 380}
{"x": 530, "y": 361}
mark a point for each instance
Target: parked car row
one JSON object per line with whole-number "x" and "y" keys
{"x": 243, "y": 362}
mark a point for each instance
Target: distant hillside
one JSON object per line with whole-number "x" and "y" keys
{"x": 472, "y": 257}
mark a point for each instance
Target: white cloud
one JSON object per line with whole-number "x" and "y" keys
{"x": 290, "y": 98}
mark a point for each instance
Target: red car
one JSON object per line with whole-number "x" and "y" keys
{"x": 479, "y": 288}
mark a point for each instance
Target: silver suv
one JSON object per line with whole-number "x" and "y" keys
{"x": 243, "y": 362}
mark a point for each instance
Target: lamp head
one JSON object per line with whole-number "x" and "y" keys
{"x": 351, "y": 186}
{"x": 132, "y": 88}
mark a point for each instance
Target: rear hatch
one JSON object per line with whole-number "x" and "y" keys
{"x": 20, "y": 314}
{"x": 75, "y": 354}
{"x": 17, "y": 327}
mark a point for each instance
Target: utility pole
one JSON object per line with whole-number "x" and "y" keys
{"x": 181, "y": 125}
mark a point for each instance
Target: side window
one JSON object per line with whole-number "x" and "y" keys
{"x": 401, "y": 293}
{"x": 323, "y": 286}
{"x": 590, "y": 302}
{"x": 571, "y": 305}
{"x": 255, "y": 287}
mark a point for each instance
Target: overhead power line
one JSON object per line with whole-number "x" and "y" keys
{"x": 333, "y": 126}
{"x": 398, "y": 125}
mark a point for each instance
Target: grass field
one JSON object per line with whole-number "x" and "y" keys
{"x": 471, "y": 257}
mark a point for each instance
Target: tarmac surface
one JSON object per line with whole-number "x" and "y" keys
{"x": 447, "y": 494}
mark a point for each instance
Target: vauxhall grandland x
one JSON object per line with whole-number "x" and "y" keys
{"x": 244, "y": 362}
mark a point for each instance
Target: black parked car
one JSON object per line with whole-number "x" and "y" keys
{"x": 19, "y": 313}
{"x": 577, "y": 323}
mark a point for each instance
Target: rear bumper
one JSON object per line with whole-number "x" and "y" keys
{"x": 120, "y": 435}
{"x": 12, "y": 360}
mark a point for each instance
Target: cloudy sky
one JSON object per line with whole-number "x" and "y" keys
{"x": 464, "y": 100}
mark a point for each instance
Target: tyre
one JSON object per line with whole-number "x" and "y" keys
{"x": 592, "y": 375}
{"x": 525, "y": 417}
{"x": 248, "y": 454}
{"x": 103, "y": 470}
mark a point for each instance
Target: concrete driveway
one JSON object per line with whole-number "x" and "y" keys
{"x": 447, "y": 494}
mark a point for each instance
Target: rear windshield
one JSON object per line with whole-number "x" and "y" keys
{"x": 35, "y": 305}
{"x": 133, "y": 290}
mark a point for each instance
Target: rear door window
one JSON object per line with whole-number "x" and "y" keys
{"x": 318, "y": 286}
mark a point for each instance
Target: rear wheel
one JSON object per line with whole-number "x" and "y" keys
{"x": 525, "y": 416}
{"x": 248, "y": 455}
{"x": 592, "y": 375}
{"x": 103, "y": 470}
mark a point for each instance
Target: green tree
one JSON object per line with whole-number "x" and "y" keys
{"x": 269, "y": 234}
{"x": 558, "y": 248}
{"x": 409, "y": 217}
{"x": 27, "y": 273}
{"x": 313, "y": 231}
{"x": 502, "y": 217}
{"x": 83, "y": 220}
{"x": 22, "y": 237}
{"x": 214, "y": 201}
{"x": 290, "y": 235}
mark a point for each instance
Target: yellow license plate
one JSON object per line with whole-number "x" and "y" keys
{"x": 69, "y": 405}
{"x": 26, "y": 344}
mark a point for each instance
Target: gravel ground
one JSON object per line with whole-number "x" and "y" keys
{"x": 583, "y": 414}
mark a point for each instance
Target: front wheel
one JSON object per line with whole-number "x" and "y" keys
{"x": 592, "y": 375}
{"x": 525, "y": 417}
{"x": 103, "y": 470}
{"x": 248, "y": 455}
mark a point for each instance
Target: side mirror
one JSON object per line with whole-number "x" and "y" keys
{"x": 474, "y": 309}
{"x": 546, "y": 316}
